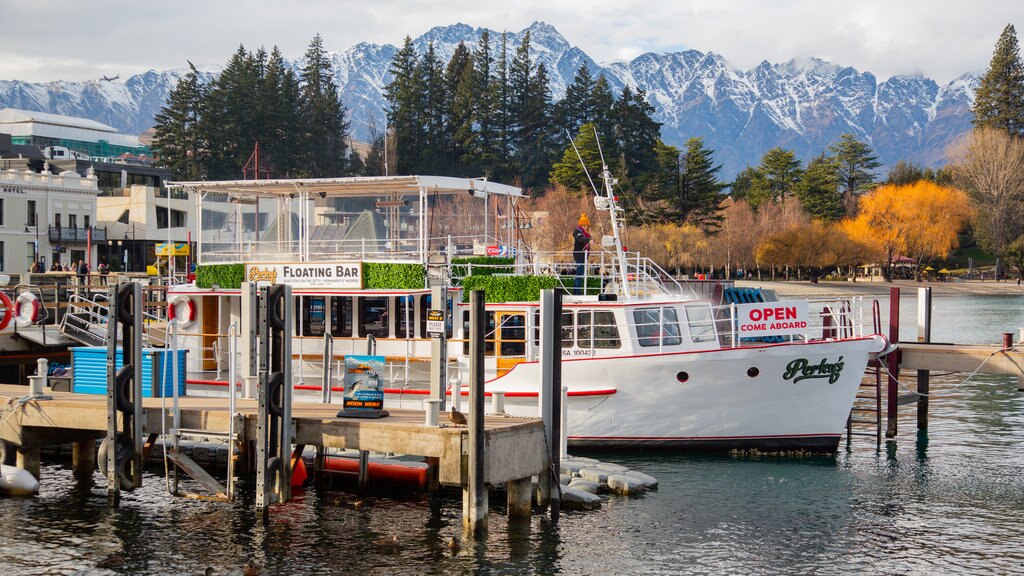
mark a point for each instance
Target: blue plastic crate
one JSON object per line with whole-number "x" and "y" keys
{"x": 89, "y": 371}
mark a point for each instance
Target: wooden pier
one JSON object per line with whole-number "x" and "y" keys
{"x": 515, "y": 447}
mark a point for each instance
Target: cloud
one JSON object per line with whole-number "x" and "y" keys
{"x": 938, "y": 38}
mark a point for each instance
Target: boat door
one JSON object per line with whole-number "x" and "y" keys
{"x": 510, "y": 340}
{"x": 210, "y": 328}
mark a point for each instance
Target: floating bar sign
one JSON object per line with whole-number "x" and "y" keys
{"x": 308, "y": 275}
{"x": 435, "y": 323}
{"x": 771, "y": 318}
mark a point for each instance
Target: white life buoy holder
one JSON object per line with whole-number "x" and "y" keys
{"x": 182, "y": 310}
{"x": 5, "y": 301}
{"x": 26, "y": 310}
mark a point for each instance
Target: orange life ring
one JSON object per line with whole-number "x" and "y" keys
{"x": 181, "y": 309}
{"x": 5, "y": 300}
{"x": 26, "y": 310}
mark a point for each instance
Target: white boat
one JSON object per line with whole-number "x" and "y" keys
{"x": 648, "y": 362}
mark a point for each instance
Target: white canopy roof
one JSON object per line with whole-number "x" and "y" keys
{"x": 354, "y": 187}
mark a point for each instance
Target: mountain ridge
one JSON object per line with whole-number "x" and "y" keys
{"x": 800, "y": 104}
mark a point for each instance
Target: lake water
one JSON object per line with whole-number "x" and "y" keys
{"x": 947, "y": 501}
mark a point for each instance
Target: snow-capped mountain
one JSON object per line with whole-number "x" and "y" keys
{"x": 803, "y": 106}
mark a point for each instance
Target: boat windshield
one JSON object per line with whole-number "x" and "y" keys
{"x": 657, "y": 326}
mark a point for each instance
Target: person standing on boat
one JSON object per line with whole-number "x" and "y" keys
{"x": 580, "y": 250}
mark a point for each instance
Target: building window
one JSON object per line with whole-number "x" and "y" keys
{"x": 86, "y": 217}
{"x": 72, "y": 220}
{"x": 30, "y": 249}
{"x": 56, "y": 219}
{"x": 177, "y": 218}
{"x": 30, "y": 218}
{"x": 1, "y": 211}
{"x": 3, "y": 256}
{"x": 123, "y": 218}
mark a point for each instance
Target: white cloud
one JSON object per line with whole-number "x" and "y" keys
{"x": 942, "y": 39}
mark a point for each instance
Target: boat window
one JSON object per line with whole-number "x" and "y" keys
{"x": 512, "y": 335}
{"x": 657, "y": 326}
{"x": 702, "y": 325}
{"x": 405, "y": 309}
{"x": 488, "y": 334}
{"x": 606, "y": 333}
{"x": 583, "y": 330}
{"x": 312, "y": 316}
{"x": 425, "y": 302}
{"x": 341, "y": 316}
{"x": 373, "y": 317}
{"x": 567, "y": 329}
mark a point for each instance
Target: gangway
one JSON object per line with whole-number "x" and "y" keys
{"x": 85, "y": 321}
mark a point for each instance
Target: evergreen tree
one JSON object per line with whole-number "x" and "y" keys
{"x": 575, "y": 109}
{"x": 856, "y": 164}
{"x": 530, "y": 122}
{"x": 636, "y": 136}
{"x": 569, "y": 172}
{"x": 435, "y": 135}
{"x": 686, "y": 185}
{"x": 742, "y": 187}
{"x": 776, "y": 177}
{"x": 459, "y": 94}
{"x": 324, "y": 127}
{"x": 818, "y": 189}
{"x": 405, "y": 113}
{"x": 486, "y": 141}
{"x": 601, "y": 115}
{"x": 228, "y": 125}
{"x": 179, "y": 142}
{"x": 999, "y": 100}
{"x": 280, "y": 98}
{"x": 501, "y": 106}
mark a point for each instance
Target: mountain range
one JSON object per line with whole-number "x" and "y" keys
{"x": 800, "y": 105}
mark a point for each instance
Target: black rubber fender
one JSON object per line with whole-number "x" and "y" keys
{"x": 274, "y": 384}
{"x": 123, "y": 389}
{"x": 125, "y": 452}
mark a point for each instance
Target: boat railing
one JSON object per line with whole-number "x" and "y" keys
{"x": 828, "y": 319}
{"x": 86, "y": 317}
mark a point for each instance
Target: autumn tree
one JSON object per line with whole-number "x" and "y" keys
{"x": 557, "y": 212}
{"x": 999, "y": 100}
{"x": 805, "y": 246}
{"x": 989, "y": 166}
{"x": 920, "y": 221}
{"x": 673, "y": 246}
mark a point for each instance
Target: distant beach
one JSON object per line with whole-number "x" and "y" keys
{"x": 865, "y": 287}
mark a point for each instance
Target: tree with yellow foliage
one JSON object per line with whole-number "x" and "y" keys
{"x": 919, "y": 220}
{"x": 814, "y": 247}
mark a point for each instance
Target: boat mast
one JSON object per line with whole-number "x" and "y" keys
{"x": 613, "y": 209}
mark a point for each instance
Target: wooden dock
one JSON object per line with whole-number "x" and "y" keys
{"x": 963, "y": 358}
{"x": 515, "y": 447}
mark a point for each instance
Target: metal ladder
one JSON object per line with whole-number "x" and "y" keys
{"x": 867, "y": 406}
{"x": 85, "y": 321}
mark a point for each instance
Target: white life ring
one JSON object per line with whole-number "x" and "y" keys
{"x": 26, "y": 309}
{"x": 182, "y": 310}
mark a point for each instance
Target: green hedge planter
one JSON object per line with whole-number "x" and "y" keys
{"x": 508, "y": 288}
{"x": 394, "y": 275}
{"x": 482, "y": 266}
{"x": 223, "y": 275}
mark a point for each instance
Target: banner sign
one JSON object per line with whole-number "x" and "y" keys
{"x": 173, "y": 249}
{"x": 308, "y": 274}
{"x": 364, "y": 390}
{"x": 785, "y": 318}
{"x": 501, "y": 251}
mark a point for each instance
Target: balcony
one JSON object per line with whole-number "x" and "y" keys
{"x": 63, "y": 235}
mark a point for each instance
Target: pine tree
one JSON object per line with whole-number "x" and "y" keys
{"x": 325, "y": 129}
{"x": 569, "y": 172}
{"x": 999, "y": 100}
{"x": 228, "y": 125}
{"x": 856, "y": 164}
{"x": 602, "y": 115}
{"x": 459, "y": 96}
{"x": 178, "y": 143}
{"x": 280, "y": 141}
{"x": 686, "y": 185}
{"x": 501, "y": 104}
{"x": 636, "y": 135}
{"x": 435, "y": 136}
{"x": 575, "y": 109}
{"x": 778, "y": 176}
{"x": 485, "y": 142}
{"x": 405, "y": 113}
{"x": 818, "y": 189}
{"x": 530, "y": 112}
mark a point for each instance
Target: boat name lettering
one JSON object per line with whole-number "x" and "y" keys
{"x": 800, "y": 369}
{"x": 267, "y": 275}
{"x": 585, "y": 352}
{"x": 339, "y": 271}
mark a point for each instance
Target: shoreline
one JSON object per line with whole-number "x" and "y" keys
{"x": 881, "y": 288}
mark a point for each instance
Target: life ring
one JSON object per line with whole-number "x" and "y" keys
{"x": 5, "y": 301}
{"x": 26, "y": 310}
{"x": 182, "y": 310}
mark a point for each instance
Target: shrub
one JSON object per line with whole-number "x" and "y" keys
{"x": 394, "y": 275}
{"x": 223, "y": 275}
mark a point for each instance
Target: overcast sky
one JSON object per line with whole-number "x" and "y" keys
{"x": 45, "y": 40}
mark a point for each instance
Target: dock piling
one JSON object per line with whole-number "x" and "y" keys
{"x": 474, "y": 514}
{"x": 924, "y": 334}
{"x": 892, "y": 396}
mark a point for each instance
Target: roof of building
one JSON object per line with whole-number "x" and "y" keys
{"x": 16, "y": 116}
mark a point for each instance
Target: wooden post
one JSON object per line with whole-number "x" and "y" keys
{"x": 83, "y": 458}
{"x": 474, "y": 501}
{"x": 924, "y": 334}
{"x": 519, "y": 498}
{"x": 892, "y": 398}
{"x": 28, "y": 459}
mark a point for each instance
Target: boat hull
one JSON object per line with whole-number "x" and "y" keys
{"x": 784, "y": 397}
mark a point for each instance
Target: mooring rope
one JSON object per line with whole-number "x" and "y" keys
{"x": 1016, "y": 348}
